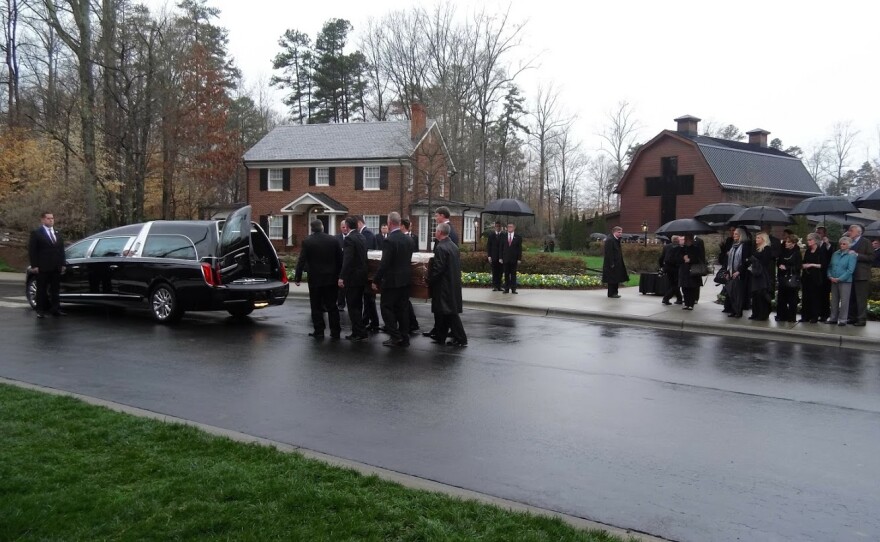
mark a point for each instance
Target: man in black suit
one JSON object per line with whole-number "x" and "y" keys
{"x": 340, "y": 295}
{"x": 413, "y": 321}
{"x": 321, "y": 256}
{"x": 383, "y": 234}
{"x": 371, "y": 315}
{"x": 441, "y": 216}
{"x": 861, "y": 283}
{"x": 46, "y": 252}
{"x": 613, "y": 267}
{"x": 876, "y": 245}
{"x": 353, "y": 277}
{"x": 445, "y": 281}
{"x": 511, "y": 257}
{"x": 493, "y": 249}
{"x": 394, "y": 276}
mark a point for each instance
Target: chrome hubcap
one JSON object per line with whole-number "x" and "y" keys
{"x": 162, "y": 303}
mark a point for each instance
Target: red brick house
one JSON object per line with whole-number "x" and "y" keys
{"x": 677, "y": 173}
{"x": 297, "y": 173}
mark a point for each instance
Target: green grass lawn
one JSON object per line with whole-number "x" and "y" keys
{"x": 4, "y": 267}
{"x": 593, "y": 262}
{"x": 72, "y": 471}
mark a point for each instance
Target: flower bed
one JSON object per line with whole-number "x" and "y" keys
{"x": 556, "y": 282}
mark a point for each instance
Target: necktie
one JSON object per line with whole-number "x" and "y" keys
{"x": 509, "y": 240}
{"x": 51, "y": 235}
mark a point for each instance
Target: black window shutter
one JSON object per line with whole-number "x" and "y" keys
{"x": 284, "y": 228}
{"x": 358, "y": 178}
{"x": 285, "y": 179}
{"x": 311, "y": 176}
{"x": 383, "y": 219}
{"x": 264, "y": 180}
{"x": 264, "y": 223}
{"x": 332, "y": 176}
{"x": 383, "y": 178}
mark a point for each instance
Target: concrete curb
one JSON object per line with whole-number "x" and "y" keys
{"x": 406, "y": 480}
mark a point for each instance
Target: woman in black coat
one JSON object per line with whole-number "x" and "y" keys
{"x": 691, "y": 254}
{"x": 759, "y": 267}
{"x": 812, "y": 279}
{"x": 737, "y": 287}
{"x": 788, "y": 264}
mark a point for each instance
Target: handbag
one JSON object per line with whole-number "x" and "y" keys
{"x": 792, "y": 281}
{"x": 699, "y": 269}
{"x": 721, "y": 277}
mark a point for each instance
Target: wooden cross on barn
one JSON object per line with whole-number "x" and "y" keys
{"x": 669, "y": 186}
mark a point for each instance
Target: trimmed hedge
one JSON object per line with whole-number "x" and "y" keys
{"x": 540, "y": 263}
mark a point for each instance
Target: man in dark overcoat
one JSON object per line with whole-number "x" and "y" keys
{"x": 613, "y": 268}
{"x": 511, "y": 257}
{"x": 445, "y": 279}
{"x": 46, "y": 253}
{"x": 340, "y": 295}
{"x": 321, "y": 256}
{"x": 371, "y": 315}
{"x": 670, "y": 261}
{"x": 861, "y": 283}
{"x": 353, "y": 277}
{"x": 493, "y": 250}
{"x": 394, "y": 275}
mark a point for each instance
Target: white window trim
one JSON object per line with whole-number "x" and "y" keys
{"x": 423, "y": 232}
{"x": 279, "y": 180}
{"x": 372, "y": 223}
{"x": 377, "y": 178}
{"x": 322, "y": 176}
{"x": 467, "y": 236}
{"x": 276, "y": 223}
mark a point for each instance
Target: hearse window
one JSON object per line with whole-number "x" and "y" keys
{"x": 78, "y": 250}
{"x": 177, "y": 247}
{"x": 110, "y": 247}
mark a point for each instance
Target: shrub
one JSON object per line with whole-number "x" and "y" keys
{"x": 537, "y": 263}
{"x": 641, "y": 258}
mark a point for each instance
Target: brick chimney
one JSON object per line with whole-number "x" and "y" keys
{"x": 758, "y": 137}
{"x": 687, "y": 125}
{"x": 418, "y": 120}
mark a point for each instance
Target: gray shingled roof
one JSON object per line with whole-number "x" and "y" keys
{"x": 741, "y": 166}
{"x": 329, "y": 202}
{"x": 326, "y": 142}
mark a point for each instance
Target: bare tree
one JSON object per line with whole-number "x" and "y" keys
{"x": 10, "y": 47}
{"x": 818, "y": 162}
{"x": 545, "y": 122}
{"x": 619, "y": 134}
{"x": 842, "y": 140}
{"x": 569, "y": 166}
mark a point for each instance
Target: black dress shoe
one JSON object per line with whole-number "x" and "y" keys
{"x": 335, "y": 335}
{"x": 802, "y": 320}
{"x": 59, "y": 313}
{"x": 666, "y": 302}
{"x": 392, "y": 342}
{"x": 504, "y": 291}
{"x": 356, "y": 338}
{"x": 615, "y": 296}
{"x": 428, "y": 334}
{"x": 514, "y": 292}
{"x": 40, "y": 315}
{"x": 316, "y": 335}
{"x": 679, "y": 302}
{"x": 860, "y": 323}
{"x": 453, "y": 342}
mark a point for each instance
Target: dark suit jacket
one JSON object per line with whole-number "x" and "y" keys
{"x": 493, "y": 244}
{"x": 511, "y": 252}
{"x": 445, "y": 279}
{"x": 453, "y": 235}
{"x": 395, "y": 268}
{"x": 321, "y": 257}
{"x": 379, "y": 241}
{"x": 369, "y": 238}
{"x": 354, "y": 261}
{"x": 613, "y": 267}
{"x": 864, "y": 258}
{"x": 45, "y": 254}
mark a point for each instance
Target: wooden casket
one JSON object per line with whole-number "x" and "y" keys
{"x": 419, "y": 264}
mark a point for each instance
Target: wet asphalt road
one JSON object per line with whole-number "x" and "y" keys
{"x": 696, "y": 438}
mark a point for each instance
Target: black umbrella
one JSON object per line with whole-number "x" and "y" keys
{"x": 824, "y": 205}
{"x": 761, "y": 215}
{"x": 510, "y": 207}
{"x": 868, "y": 200}
{"x": 683, "y": 226}
{"x": 718, "y": 212}
{"x": 872, "y": 229}
{"x": 598, "y": 236}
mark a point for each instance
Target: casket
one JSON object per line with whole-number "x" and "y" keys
{"x": 419, "y": 265}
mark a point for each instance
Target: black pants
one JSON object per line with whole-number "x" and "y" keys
{"x": 450, "y": 324}
{"x": 48, "y": 290}
{"x": 613, "y": 288}
{"x": 340, "y": 298}
{"x": 395, "y": 312}
{"x": 672, "y": 289}
{"x": 497, "y": 272}
{"x": 690, "y": 294}
{"x": 858, "y": 300}
{"x": 371, "y": 317}
{"x": 413, "y": 321}
{"x": 354, "y": 297}
{"x": 786, "y": 303}
{"x": 323, "y": 298}
{"x": 761, "y": 304}
{"x": 811, "y": 300}
{"x": 510, "y": 275}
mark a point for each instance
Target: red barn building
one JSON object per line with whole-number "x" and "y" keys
{"x": 297, "y": 173}
{"x": 677, "y": 173}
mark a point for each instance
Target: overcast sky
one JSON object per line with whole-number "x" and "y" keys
{"x": 793, "y": 68}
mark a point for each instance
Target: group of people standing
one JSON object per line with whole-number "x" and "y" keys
{"x": 832, "y": 281}
{"x": 341, "y": 265}
{"x": 683, "y": 262}
{"x": 504, "y": 251}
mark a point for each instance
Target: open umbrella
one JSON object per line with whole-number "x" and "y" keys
{"x": 718, "y": 212}
{"x": 598, "y": 236}
{"x": 868, "y": 200}
{"x": 509, "y": 206}
{"x": 761, "y": 215}
{"x": 824, "y": 205}
{"x": 872, "y": 229}
{"x": 684, "y": 226}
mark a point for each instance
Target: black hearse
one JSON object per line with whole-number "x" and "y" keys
{"x": 176, "y": 266}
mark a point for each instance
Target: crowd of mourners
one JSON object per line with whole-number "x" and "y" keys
{"x": 830, "y": 279}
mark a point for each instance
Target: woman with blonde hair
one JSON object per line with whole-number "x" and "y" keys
{"x": 759, "y": 267}
{"x": 812, "y": 279}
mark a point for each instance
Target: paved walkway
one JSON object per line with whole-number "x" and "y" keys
{"x": 646, "y": 310}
